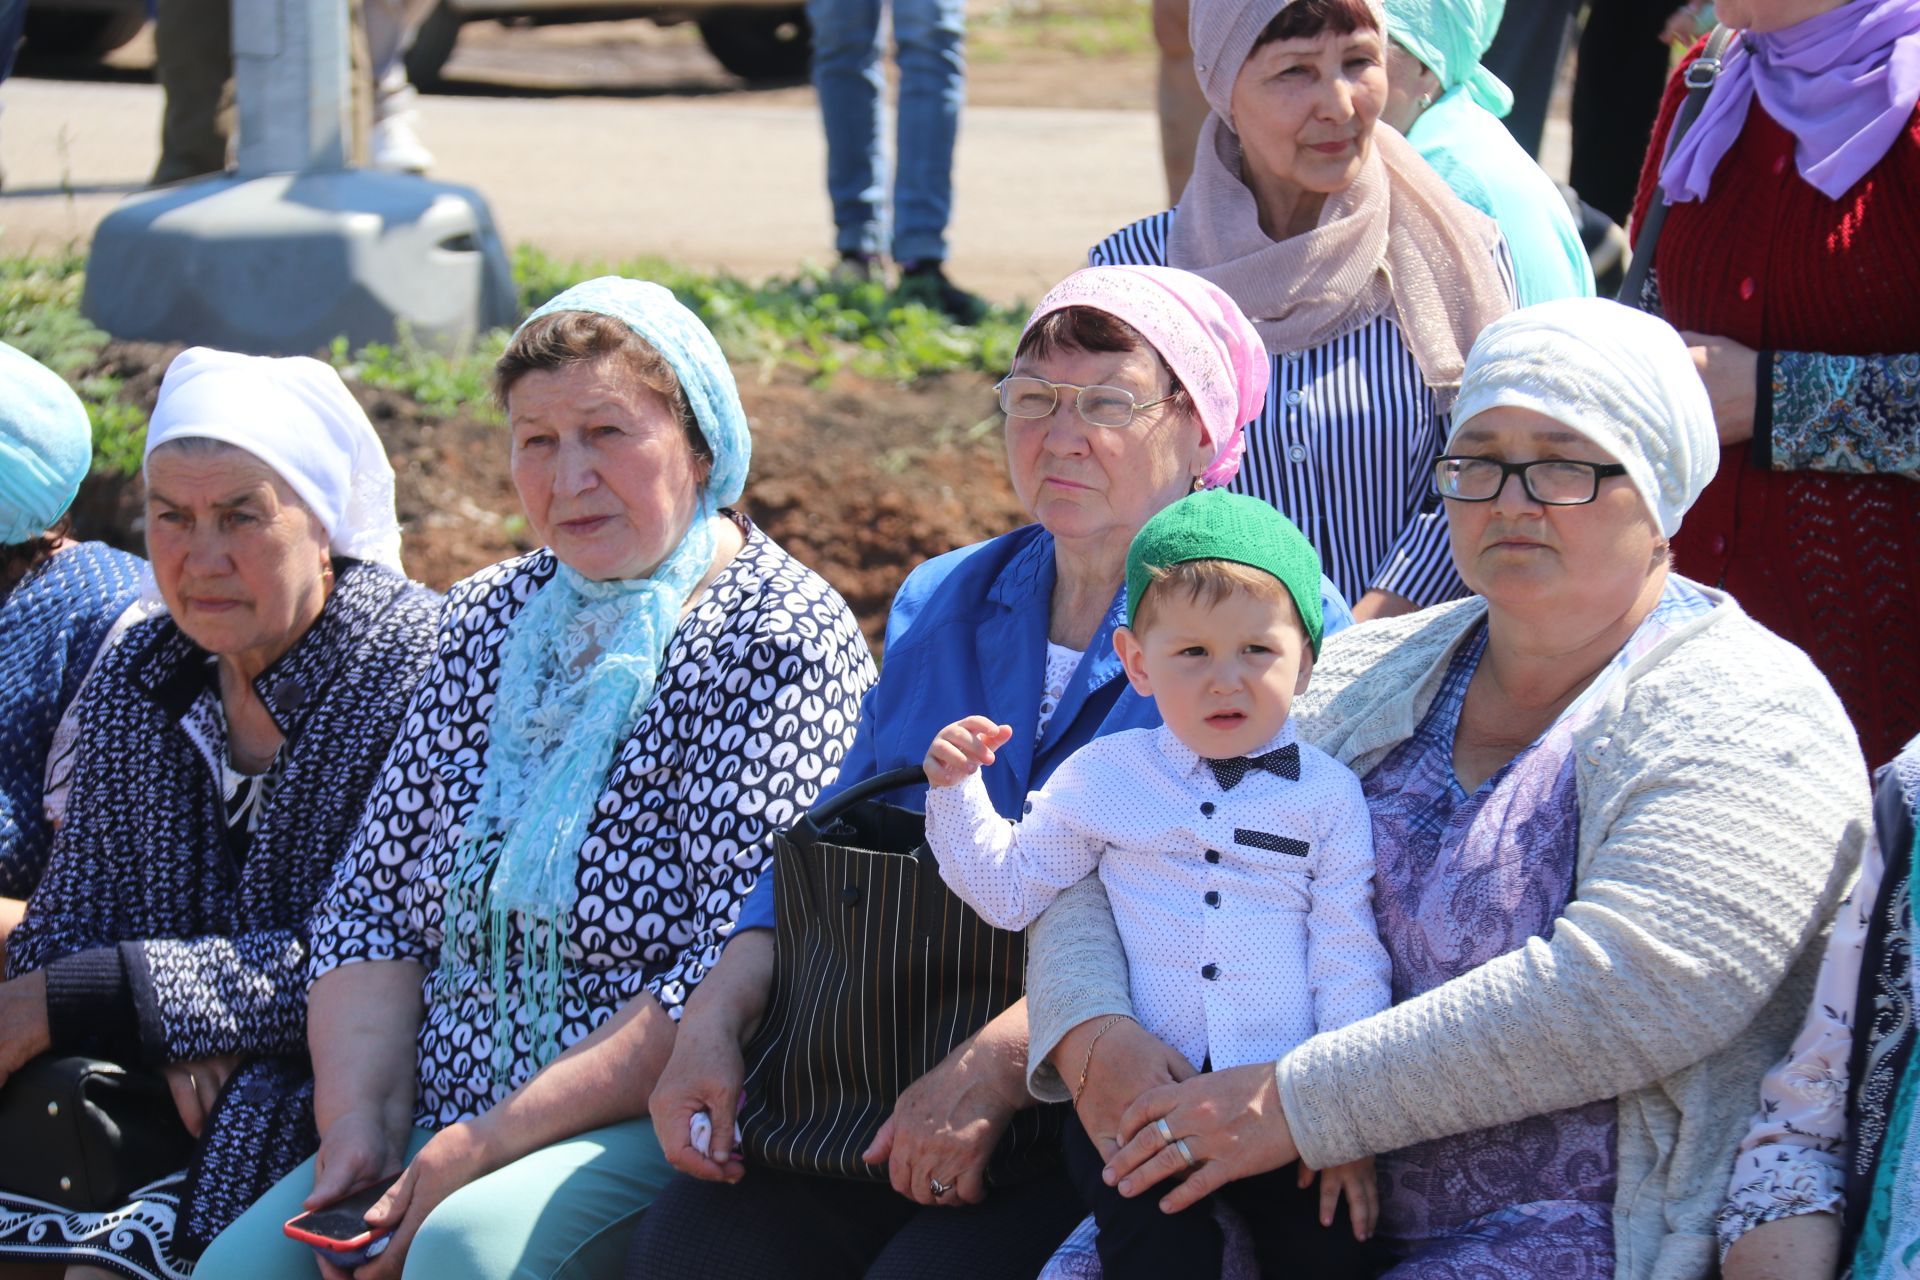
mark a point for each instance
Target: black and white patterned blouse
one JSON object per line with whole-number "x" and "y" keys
{"x": 164, "y": 939}
{"x": 1344, "y": 446}
{"x": 755, "y": 706}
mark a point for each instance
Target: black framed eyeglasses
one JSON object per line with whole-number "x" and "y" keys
{"x": 1112, "y": 407}
{"x": 1551, "y": 482}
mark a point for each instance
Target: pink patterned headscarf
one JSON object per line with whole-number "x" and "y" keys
{"x": 1198, "y": 330}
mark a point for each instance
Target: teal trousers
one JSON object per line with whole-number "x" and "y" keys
{"x": 566, "y": 1212}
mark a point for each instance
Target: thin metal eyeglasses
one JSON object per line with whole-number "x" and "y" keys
{"x": 1110, "y": 407}
{"x": 1551, "y": 482}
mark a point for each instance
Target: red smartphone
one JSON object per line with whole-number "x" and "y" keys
{"x": 340, "y": 1229}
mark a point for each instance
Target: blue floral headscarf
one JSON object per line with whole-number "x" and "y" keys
{"x": 577, "y": 669}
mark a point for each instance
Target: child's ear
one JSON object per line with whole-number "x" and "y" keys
{"x": 1133, "y": 660}
{"x": 1306, "y": 670}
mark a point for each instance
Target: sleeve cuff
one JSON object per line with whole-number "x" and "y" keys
{"x": 1762, "y": 443}
{"x": 1307, "y": 1121}
{"x": 90, "y": 1006}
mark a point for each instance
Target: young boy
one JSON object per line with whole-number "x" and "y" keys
{"x": 1238, "y": 860}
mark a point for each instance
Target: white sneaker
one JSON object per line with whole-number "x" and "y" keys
{"x": 396, "y": 148}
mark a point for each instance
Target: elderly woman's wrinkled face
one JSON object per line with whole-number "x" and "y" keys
{"x": 1761, "y": 16}
{"x": 1087, "y": 483}
{"x": 1305, "y": 109}
{"x": 241, "y": 562}
{"x": 602, "y": 467}
{"x": 1519, "y": 553}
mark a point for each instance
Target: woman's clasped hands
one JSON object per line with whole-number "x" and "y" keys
{"x": 1225, "y": 1125}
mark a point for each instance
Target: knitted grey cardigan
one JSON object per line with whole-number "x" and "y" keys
{"x": 1723, "y": 810}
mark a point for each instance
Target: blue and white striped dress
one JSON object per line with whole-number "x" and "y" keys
{"x": 1344, "y": 447}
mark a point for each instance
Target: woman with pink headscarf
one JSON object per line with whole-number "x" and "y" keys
{"x": 1130, "y": 387}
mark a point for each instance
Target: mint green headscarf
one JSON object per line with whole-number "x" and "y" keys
{"x": 1449, "y": 36}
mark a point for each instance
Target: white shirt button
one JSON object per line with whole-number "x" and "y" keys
{"x": 1293, "y": 397}
{"x": 1297, "y": 452}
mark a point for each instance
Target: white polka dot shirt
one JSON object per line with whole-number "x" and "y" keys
{"x": 1247, "y": 914}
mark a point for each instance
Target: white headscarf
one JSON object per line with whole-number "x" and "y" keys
{"x": 1619, "y": 376}
{"x": 294, "y": 414}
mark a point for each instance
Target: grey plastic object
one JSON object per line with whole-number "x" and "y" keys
{"x": 284, "y": 264}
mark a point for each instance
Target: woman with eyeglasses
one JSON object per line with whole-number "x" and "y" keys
{"x": 1365, "y": 275}
{"x": 1612, "y": 814}
{"x": 1129, "y": 388}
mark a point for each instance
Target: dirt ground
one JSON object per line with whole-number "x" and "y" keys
{"x": 860, "y": 480}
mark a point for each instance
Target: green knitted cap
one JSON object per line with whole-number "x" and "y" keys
{"x": 1214, "y": 524}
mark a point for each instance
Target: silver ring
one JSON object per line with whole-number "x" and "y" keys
{"x": 1165, "y": 1131}
{"x": 1180, "y": 1145}
{"x": 939, "y": 1188}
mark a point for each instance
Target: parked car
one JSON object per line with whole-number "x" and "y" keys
{"x": 754, "y": 39}
{"x": 82, "y": 28}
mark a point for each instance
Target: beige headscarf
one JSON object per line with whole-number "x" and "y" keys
{"x": 1397, "y": 239}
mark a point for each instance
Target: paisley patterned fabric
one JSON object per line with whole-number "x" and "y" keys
{"x": 1857, "y": 414}
{"x": 756, "y": 702}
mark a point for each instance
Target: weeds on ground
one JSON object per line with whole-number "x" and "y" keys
{"x": 40, "y": 315}
{"x": 808, "y": 322}
{"x": 1084, "y": 28}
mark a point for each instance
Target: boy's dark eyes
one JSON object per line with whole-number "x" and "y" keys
{"x": 1193, "y": 651}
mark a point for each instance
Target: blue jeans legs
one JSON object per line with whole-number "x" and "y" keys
{"x": 847, "y": 74}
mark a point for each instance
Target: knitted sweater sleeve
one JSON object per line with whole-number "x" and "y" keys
{"x": 1727, "y": 824}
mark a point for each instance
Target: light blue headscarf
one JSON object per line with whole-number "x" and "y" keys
{"x": 1449, "y": 37}
{"x": 578, "y": 666}
{"x": 46, "y": 446}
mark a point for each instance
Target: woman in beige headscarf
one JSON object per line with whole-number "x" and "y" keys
{"x": 1366, "y": 276}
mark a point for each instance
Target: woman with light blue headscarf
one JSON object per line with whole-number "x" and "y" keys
{"x": 59, "y": 599}
{"x": 1450, "y": 107}
{"x": 611, "y": 728}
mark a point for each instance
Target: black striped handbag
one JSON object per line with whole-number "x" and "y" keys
{"x": 879, "y": 973}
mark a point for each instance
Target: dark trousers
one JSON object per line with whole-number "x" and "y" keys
{"x": 1616, "y": 97}
{"x": 1138, "y": 1240}
{"x": 776, "y": 1225}
{"x": 1527, "y": 53}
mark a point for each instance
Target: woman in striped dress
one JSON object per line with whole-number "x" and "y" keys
{"x": 1365, "y": 276}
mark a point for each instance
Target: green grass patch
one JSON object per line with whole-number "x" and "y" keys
{"x": 1084, "y": 28}
{"x": 808, "y": 322}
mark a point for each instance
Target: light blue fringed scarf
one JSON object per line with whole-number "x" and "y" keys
{"x": 577, "y": 668}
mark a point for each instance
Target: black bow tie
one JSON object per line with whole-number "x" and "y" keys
{"x": 1285, "y": 762}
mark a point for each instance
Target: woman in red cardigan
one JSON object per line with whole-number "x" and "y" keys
{"x": 1791, "y": 260}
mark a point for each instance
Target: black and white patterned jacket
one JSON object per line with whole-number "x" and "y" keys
{"x": 755, "y": 706}
{"x": 160, "y": 941}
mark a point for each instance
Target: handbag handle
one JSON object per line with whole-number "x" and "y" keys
{"x": 1701, "y": 74}
{"x": 823, "y": 815}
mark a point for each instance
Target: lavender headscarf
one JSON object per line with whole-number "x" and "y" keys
{"x": 1844, "y": 84}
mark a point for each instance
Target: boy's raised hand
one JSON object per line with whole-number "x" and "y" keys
{"x": 962, "y": 747}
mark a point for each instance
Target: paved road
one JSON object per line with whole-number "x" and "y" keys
{"x": 711, "y": 184}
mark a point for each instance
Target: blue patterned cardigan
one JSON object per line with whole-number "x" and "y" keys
{"x": 160, "y": 942}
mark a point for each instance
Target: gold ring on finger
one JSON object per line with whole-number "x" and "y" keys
{"x": 1165, "y": 1131}
{"x": 1180, "y": 1145}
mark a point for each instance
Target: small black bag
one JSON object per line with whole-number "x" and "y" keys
{"x": 880, "y": 972}
{"x": 85, "y": 1134}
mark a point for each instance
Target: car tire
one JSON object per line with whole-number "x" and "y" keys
{"x": 760, "y": 44}
{"x": 82, "y": 33}
{"x": 432, "y": 46}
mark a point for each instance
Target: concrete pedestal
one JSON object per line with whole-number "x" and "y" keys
{"x": 283, "y": 264}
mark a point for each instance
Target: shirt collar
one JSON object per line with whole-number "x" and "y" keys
{"x": 1188, "y": 763}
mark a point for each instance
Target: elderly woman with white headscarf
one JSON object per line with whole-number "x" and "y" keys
{"x": 59, "y": 599}
{"x": 1610, "y": 812}
{"x": 225, "y": 750}
{"x": 611, "y": 729}
{"x": 1449, "y": 107}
